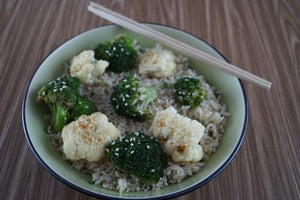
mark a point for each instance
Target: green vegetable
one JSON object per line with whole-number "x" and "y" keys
{"x": 138, "y": 154}
{"x": 62, "y": 97}
{"x": 131, "y": 100}
{"x": 188, "y": 92}
{"x": 106, "y": 91}
{"x": 83, "y": 106}
{"x": 165, "y": 85}
{"x": 120, "y": 54}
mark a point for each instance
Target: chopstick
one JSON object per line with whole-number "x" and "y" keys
{"x": 180, "y": 46}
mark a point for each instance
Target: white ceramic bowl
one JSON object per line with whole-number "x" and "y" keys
{"x": 52, "y": 66}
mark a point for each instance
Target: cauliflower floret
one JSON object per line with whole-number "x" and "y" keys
{"x": 86, "y": 67}
{"x": 163, "y": 124}
{"x": 86, "y": 137}
{"x": 181, "y": 135}
{"x": 158, "y": 62}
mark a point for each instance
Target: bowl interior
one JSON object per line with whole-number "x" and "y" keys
{"x": 52, "y": 67}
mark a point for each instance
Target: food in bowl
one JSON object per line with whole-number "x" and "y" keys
{"x": 154, "y": 95}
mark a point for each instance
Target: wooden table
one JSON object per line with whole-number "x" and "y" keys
{"x": 261, "y": 36}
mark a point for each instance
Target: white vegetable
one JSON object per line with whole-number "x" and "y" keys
{"x": 181, "y": 135}
{"x": 157, "y": 62}
{"x": 86, "y": 137}
{"x": 86, "y": 67}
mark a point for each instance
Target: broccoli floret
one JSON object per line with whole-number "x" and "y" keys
{"x": 60, "y": 95}
{"x": 83, "y": 106}
{"x": 188, "y": 92}
{"x": 62, "y": 98}
{"x": 131, "y": 100}
{"x": 139, "y": 155}
{"x": 120, "y": 54}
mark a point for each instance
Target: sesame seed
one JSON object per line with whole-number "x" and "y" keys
{"x": 132, "y": 152}
{"x": 114, "y": 48}
{"x": 152, "y": 170}
{"x": 148, "y": 147}
{"x": 126, "y": 104}
{"x": 116, "y": 154}
{"x": 117, "y": 149}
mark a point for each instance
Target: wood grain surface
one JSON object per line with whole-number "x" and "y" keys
{"x": 261, "y": 36}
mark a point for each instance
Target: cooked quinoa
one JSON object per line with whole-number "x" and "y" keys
{"x": 212, "y": 114}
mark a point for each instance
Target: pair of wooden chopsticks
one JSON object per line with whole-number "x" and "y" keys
{"x": 180, "y": 46}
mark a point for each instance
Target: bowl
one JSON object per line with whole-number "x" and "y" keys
{"x": 52, "y": 66}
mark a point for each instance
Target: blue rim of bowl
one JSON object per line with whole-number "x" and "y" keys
{"x": 172, "y": 195}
